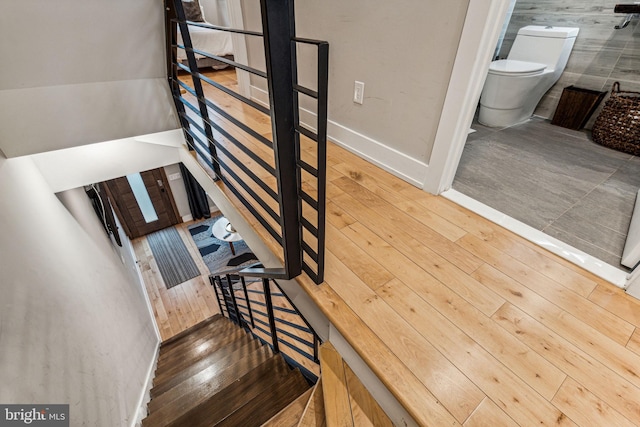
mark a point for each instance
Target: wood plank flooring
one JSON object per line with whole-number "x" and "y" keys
{"x": 492, "y": 327}
{"x": 465, "y": 322}
{"x": 184, "y": 305}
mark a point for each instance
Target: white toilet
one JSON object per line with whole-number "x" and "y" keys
{"x": 515, "y": 85}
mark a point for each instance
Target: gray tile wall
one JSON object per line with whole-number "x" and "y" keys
{"x": 601, "y": 54}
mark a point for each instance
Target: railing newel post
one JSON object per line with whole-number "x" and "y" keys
{"x": 272, "y": 321}
{"x": 278, "y": 28}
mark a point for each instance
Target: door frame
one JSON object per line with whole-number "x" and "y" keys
{"x": 480, "y": 33}
{"x": 115, "y": 198}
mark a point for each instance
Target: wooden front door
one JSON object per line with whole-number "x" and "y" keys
{"x": 163, "y": 213}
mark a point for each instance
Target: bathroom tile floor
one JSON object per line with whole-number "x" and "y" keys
{"x": 556, "y": 180}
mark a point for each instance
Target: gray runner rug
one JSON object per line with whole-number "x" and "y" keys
{"x": 173, "y": 259}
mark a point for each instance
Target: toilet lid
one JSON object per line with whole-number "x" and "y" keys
{"x": 511, "y": 67}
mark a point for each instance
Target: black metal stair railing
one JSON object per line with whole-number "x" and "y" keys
{"x": 280, "y": 180}
{"x": 263, "y": 309}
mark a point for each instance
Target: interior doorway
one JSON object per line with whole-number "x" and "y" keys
{"x": 480, "y": 34}
{"x": 143, "y": 202}
{"x": 555, "y": 180}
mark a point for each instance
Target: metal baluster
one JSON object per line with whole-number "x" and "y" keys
{"x": 233, "y": 300}
{"x": 246, "y": 298}
{"x": 315, "y": 348}
{"x": 197, "y": 84}
{"x": 226, "y": 302}
{"x": 272, "y": 320}
{"x": 215, "y": 288}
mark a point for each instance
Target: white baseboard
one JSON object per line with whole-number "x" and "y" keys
{"x": 385, "y": 157}
{"x": 213, "y": 209}
{"x": 600, "y": 268}
{"x": 145, "y": 396}
{"x": 260, "y": 96}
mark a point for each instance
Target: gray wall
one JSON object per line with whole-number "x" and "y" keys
{"x": 216, "y": 12}
{"x": 403, "y": 51}
{"x": 180, "y": 193}
{"x": 77, "y": 72}
{"x": 601, "y": 54}
{"x": 75, "y": 326}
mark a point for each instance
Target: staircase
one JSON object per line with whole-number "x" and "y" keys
{"x": 215, "y": 374}
{"x": 338, "y": 399}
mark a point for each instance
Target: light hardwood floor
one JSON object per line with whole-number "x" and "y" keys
{"x": 465, "y": 322}
{"x": 482, "y": 324}
{"x": 184, "y": 305}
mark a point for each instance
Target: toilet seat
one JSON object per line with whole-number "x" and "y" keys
{"x": 512, "y": 67}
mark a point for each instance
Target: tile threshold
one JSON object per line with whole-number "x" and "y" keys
{"x": 600, "y": 268}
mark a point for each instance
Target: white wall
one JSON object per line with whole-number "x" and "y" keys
{"x": 75, "y": 328}
{"x": 403, "y": 51}
{"x": 73, "y": 167}
{"x": 179, "y": 192}
{"x": 216, "y": 12}
{"x": 77, "y": 72}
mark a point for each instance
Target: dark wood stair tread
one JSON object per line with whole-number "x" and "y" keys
{"x": 220, "y": 359}
{"x": 203, "y": 333}
{"x": 264, "y": 406}
{"x": 196, "y": 390}
{"x": 235, "y": 395}
{"x": 199, "y": 349}
{"x": 191, "y": 331}
{"x": 192, "y": 357}
{"x": 215, "y": 373}
{"x": 206, "y": 330}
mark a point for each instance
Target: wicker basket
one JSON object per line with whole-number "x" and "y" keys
{"x": 618, "y": 124}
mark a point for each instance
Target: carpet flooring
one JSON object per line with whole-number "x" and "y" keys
{"x": 172, "y": 256}
{"x": 216, "y": 253}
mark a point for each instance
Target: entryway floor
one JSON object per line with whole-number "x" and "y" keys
{"x": 184, "y": 305}
{"x": 556, "y": 180}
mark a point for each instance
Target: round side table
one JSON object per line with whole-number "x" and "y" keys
{"x": 223, "y": 230}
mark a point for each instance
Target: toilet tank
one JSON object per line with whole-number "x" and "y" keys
{"x": 545, "y": 45}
